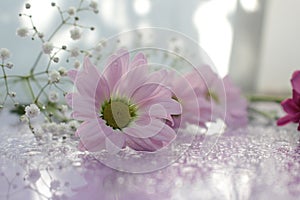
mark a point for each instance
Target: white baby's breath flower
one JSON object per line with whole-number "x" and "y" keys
{"x": 53, "y": 96}
{"x": 22, "y": 32}
{"x": 77, "y": 64}
{"x": 50, "y": 127}
{"x": 71, "y": 10}
{"x": 62, "y": 71}
{"x": 4, "y": 53}
{"x": 47, "y": 47}
{"x": 41, "y": 35}
{"x": 75, "y": 33}
{"x": 9, "y": 65}
{"x": 62, "y": 128}
{"x": 74, "y": 52}
{"x": 32, "y": 111}
{"x": 54, "y": 76}
{"x": 38, "y": 133}
{"x": 94, "y": 6}
{"x": 64, "y": 109}
{"x": 73, "y": 125}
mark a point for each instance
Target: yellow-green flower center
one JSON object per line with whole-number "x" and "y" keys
{"x": 118, "y": 114}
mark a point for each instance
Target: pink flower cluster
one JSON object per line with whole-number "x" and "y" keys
{"x": 131, "y": 105}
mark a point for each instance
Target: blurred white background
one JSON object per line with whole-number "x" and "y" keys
{"x": 255, "y": 41}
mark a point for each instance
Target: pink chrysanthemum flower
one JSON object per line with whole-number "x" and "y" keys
{"x": 195, "y": 109}
{"x": 226, "y": 101}
{"x": 123, "y": 106}
{"x": 292, "y": 105}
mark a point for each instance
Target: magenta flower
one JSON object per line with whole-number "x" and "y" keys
{"x": 123, "y": 106}
{"x": 292, "y": 105}
{"x": 224, "y": 97}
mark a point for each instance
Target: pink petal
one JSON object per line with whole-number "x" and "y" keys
{"x": 296, "y": 81}
{"x": 124, "y": 56}
{"x": 287, "y": 119}
{"x": 81, "y": 147}
{"x": 139, "y": 60}
{"x": 84, "y": 107}
{"x": 235, "y": 120}
{"x": 163, "y": 109}
{"x": 167, "y": 135}
{"x": 116, "y": 67}
{"x": 144, "y": 127}
{"x": 115, "y": 142}
{"x": 171, "y": 106}
{"x": 295, "y": 74}
{"x": 69, "y": 99}
{"x": 289, "y": 106}
{"x": 91, "y": 135}
{"x": 160, "y": 140}
{"x": 130, "y": 81}
{"x": 148, "y": 92}
{"x": 142, "y": 144}
{"x": 204, "y": 75}
{"x": 296, "y": 97}
{"x": 72, "y": 74}
{"x": 102, "y": 91}
{"x": 158, "y": 111}
{"x": 283, "y": 120}
{"x": 159, "y": 77}
{"x": 87, "y": 79}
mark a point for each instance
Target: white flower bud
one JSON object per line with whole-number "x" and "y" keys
{"x": 77, "y": 64}
{"x": 54, "y": 76}
{"x": 73, "y": 125}
{"x": 71, "y": 11}
{"x": 32, "y": 111}
{"x": 4, "y": 53}
{"x": 64, "y": 109}
{"x": 94, "y": 5}
{"x": 56, "y": 59}
{"x": 47, "y": 47}
{"x": 9, "y": 65}
{"x": 53, "y": 96}
{"x": 62, "y": 71}
{"x": 75, "y": 33}
{"x": 74, "y": 52}
{"x": 41, "y": 35}
{"x": 22, "y": 32}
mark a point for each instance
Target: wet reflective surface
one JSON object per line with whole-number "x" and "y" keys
{"x": 258, "y": 162}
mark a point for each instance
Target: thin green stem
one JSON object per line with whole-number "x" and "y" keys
{"x": 30, "y": 126}
{"x": 262, "y": 113}
{"x": 59, "y": 88}
{"x": 39, "y": 73}
{"x": 60, "y": 13}
{"x": 57, "y": 29}
{"x": 13, "y": 76}
{"x": 39, "y": 86}
{"x": 41, "y": 91}
{"x": 30, "y": 88}
{"x": 36, "y": 62}
{"x": 262, "y": 98}
{"x": 79, "y": 5}
{"x": 51, "y": 36}
{"x": 5, "y": 82}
